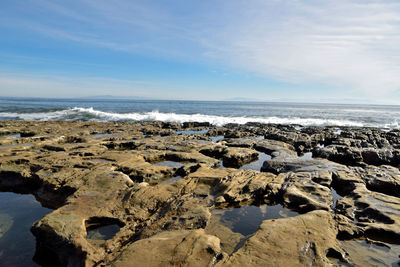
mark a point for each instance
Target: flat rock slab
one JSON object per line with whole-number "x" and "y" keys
{"x": 176, "y": 248}
{"x": 297, "y": 241}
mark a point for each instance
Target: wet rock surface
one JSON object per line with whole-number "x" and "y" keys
{"x": 170, "y": 194}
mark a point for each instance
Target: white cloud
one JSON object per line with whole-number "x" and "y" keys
{"x": 345, "y": 43}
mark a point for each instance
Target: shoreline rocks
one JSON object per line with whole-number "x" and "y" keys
{"x": 111, "y": 176}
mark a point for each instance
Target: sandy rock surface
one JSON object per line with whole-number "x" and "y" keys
{"x": 170, "y": 194}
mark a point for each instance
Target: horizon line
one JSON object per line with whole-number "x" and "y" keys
{"x": 137, "y": 98}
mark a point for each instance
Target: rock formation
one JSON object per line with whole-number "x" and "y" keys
{"x": 159, "y": 194}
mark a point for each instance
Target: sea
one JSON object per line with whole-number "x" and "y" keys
{"x": 215, "y": 112}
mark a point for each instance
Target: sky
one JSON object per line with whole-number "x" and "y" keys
{"x": 343, "y": 51}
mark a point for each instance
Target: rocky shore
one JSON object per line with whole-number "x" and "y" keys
{"x": 192, "y": 194}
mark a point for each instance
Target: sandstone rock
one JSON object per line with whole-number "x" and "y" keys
{"x": 175, "y": 248}
{"x": 297, "y": 241}
{"x": 384, "y": 179}
{"x": 302, "y": 194}
{"x": 97, "y": 175}
{"x": 378, "y": 214}
{"x": 237, "y": 157}
{"x": 339, "y": 153}
{"x": 295, "y": 165}
{"x": 248, "y": 186}
{"x": 231, "y": 156}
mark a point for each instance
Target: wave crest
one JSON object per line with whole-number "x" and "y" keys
{"x": 90, "y": 114}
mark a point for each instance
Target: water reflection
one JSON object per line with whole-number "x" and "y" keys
{"x": 169, "y": 163}
{"x": 257, "y": 164}
{"x": 215, "y": 139}
{"x": 234, "y": 226}
{"x": 103, "y": 232}
{"x": 14, "y": 136}
{"x": 17, "y": 214}
{"x": 172, "y": 180}
{"x": 246, "y": 220}
{"x": 306, "y": 156}
{"x": 192, "y": 132}
{"x": 335, "y": 198}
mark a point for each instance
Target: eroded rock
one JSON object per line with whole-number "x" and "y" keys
{"x": 175, "y": 248}
{"x": 303, "y": 240}
{"x": 110, "y": 177}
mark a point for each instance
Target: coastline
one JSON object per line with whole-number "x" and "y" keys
{"x": 214, "y": 112}
{"x": 127, "y": 176}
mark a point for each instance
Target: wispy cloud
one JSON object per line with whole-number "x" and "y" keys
{"x": 343, "y": 43}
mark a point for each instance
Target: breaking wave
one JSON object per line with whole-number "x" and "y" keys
{"x": 90, "y": 114}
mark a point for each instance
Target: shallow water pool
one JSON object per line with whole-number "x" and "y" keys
{"x": 103, "y": 233}
{"x": 17, "y": 214}
{"x": 192, "y": 132}
{"x": 215, "y": 139}
{"x": 171, "y": 180}
{"x": 169, "y": 163}
{"x": 246, "y": 220}
{"x": 257, "y": 164}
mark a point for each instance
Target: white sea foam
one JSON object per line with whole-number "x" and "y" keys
{"x": 91, "y": 114}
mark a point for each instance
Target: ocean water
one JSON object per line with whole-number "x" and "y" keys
{"x": 215, "y": 112}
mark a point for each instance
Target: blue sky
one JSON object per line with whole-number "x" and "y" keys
{"x": 293, "y": 50}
